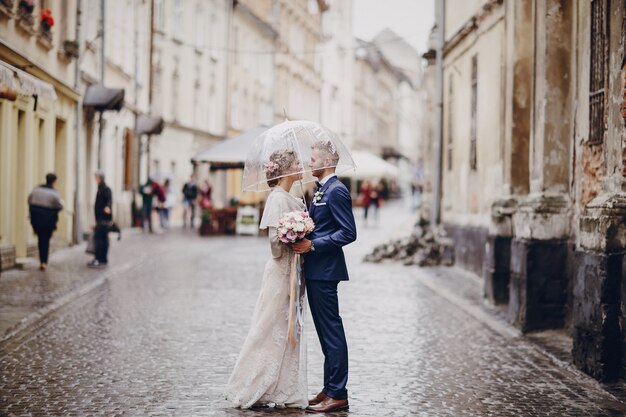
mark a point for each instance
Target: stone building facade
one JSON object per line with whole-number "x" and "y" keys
{"x": 39, "y": 132}
{"x": 533, "y": 165}
{"x": 387, "y": 102}
{"x": 35, "y": 125}
{"x": 189, "y": 88}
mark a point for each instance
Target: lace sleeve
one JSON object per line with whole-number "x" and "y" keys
{"x": 275, "y": 244}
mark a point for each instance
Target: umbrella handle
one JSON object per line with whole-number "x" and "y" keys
{"x": 306, "y": 208}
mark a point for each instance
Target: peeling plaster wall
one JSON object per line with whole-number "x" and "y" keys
{"x": 467, "y": 193}
{"x": 599, "y": 168}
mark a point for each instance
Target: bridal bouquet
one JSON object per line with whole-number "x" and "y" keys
{"x": 294, "y": 225}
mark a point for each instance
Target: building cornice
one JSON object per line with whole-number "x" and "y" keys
{"x": 13, "y": 57}
{"x": 265, "y": 27}
{"x": 193, "y": 130}
{"x": 471, "y": 25}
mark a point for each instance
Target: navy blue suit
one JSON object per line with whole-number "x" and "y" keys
{"x": 323, "y": 269}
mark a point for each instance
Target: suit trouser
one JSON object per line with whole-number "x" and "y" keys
{"x": 324, "y": 305}
{"x": 43, "y": 242}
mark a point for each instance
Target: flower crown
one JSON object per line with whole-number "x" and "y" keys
{"x": 271, "y": 166}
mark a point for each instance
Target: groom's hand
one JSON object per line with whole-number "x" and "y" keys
{"x": 302, "y": 246}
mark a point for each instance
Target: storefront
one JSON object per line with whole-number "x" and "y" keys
{"x": 35, "y": 138}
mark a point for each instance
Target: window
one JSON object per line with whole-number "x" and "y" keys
{"x": 598, "y": 67}
{"x": 473, "y": 124}
{"x": 200, "y": 27}
{"x": 65, "y": 30}
{"x": 159, "y": 16}
{"x": 156, "y": 167}
{"x": 450, "y": 121}
{"x": 213, "y": 32}
{"x": 178, "y": 29}
{"x": 175, "y": 105}
{"x": 91, "y": 21}
{"x": 235, "y": 45}
{"x": 156, "y": 89}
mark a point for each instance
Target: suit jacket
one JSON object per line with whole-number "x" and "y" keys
{"x": 334, "y": 228}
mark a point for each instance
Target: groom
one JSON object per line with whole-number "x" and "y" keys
{"x": 324, "y": 267}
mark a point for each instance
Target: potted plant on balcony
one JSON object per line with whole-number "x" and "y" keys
{"x": 25, "y": 12}
{"x": 71, "y": 49}
{"x": 6, "y": 7}
{"x": 46, "y": 21}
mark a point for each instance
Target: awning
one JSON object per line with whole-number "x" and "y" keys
{"x": 25, "y": 83}
{"x": 102, "y": 98}
{"x": 369, "y": 165}
{"x": 231, "y": 152}
{"x": 391, "y": 152}
{"x": 149, "y": 125}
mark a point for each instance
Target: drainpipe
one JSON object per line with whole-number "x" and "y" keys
{"x": 229, "y": 56}
{"x": 77, "y": 126}
{"x": 102, "y": 65}
{"x": 435, "y": 214}
{"x": 150, "y": 93}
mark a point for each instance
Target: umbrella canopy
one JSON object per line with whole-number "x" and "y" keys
{"x": 231, "y": 152}
{"x": 369, "y": 165}
{"x": 290, "y": 148}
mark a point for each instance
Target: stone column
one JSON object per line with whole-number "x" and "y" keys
{"x": 24, "y": 174}
{"x": 8, "y": 124}
{"x": 518, "y": 94}
{"x": 599, "y": 284}
{"x": 539, "y": 251}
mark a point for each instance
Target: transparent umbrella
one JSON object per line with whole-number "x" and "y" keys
{"x": 288, "y": 148}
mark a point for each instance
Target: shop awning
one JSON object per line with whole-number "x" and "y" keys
{"x": 24, "y": 83}
{"x": 149, "y": 125}
{"x": 231, "y": 152}
{"x": 371, "y": 166}
{"x": 103, "y": 98}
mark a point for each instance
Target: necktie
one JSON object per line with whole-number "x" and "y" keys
{"x": 318, "y": 184}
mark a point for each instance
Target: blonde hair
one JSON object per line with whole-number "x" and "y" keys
{"x": 328, "y": 150}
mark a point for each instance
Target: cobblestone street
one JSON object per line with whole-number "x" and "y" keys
{"x": 160, "y": 335}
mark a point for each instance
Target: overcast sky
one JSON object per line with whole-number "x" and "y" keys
{"x": 411, "y": 19}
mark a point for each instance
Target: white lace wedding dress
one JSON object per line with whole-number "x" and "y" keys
{"x": 269, "y": 370}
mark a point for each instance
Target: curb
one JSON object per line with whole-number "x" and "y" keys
{"x": 37, "y": 318}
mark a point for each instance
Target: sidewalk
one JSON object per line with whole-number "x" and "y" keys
{"x": 27, "y": 295}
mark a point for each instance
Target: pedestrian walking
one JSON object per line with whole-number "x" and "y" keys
{"x": 375, "y": 198}
{"x": 44, "y": 204}
{"x": 190, "y": 195}
{"x": 365, "y": 198}
{"x": 167, "y": 205}
{"x": 147, "y": 192}
{"x": 104, "y": 219}
{"x": 205, "y": 195}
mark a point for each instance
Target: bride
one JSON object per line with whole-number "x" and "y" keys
{"x": 269, "y": 370}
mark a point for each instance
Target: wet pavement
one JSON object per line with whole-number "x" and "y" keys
{"x": 161, "y": 329}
